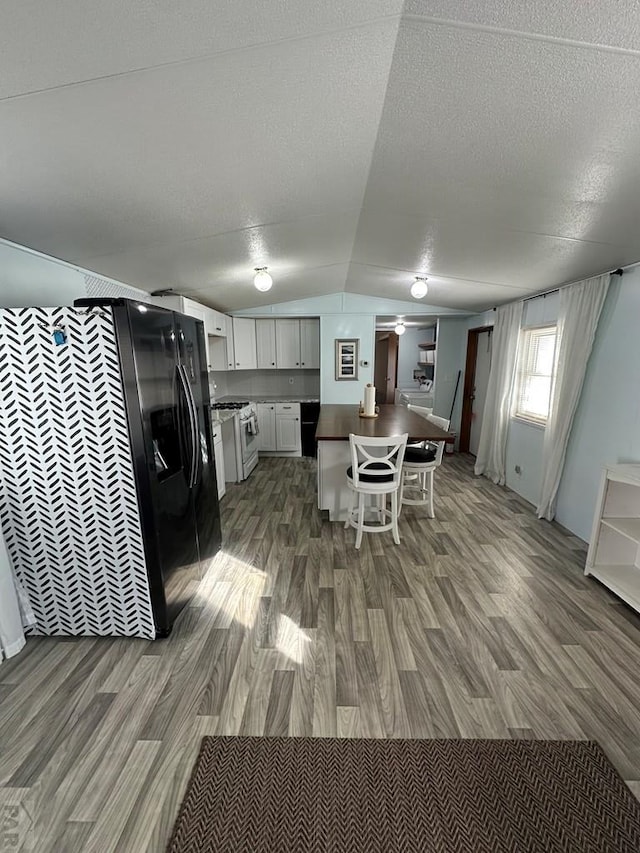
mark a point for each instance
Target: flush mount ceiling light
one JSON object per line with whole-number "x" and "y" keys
{"x": 400, "y": 329}
{"x": 419, "y": 287}
{"x": 262, "y": 280}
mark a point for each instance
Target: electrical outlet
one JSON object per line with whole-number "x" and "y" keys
{"x": 291, "y": 380}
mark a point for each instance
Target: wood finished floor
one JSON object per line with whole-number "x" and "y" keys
{"x": 480, "y": 624}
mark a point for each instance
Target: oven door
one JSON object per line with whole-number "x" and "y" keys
{"x": 249, "y": 437}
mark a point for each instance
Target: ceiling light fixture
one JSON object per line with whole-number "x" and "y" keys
{"x": 400, "y": 329}
{"x": 419, "y": 287}
{"x": 262, "y": 280}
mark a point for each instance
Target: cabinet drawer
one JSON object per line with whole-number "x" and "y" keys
{"x": 288, "y": 409}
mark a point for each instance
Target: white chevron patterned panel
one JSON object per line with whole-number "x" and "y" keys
{"x": 68, "y": 505}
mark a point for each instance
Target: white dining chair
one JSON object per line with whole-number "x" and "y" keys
{"x": 419, "y": 467}
{"x": 424, "y": 412}
{"x": 375, "y": 470}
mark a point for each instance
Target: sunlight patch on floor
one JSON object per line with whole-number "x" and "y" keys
{"x": 232, "y": 588}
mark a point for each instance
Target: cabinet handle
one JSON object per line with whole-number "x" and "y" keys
{"x": 218, "y": 328}
{"x": 273, "y": 364}
{"x": 296, "y": 364}
{"x": 237, "y": 364}
{"x": 303, "y": 363}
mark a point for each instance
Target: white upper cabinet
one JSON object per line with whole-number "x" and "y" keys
{"x": 214, "y": 328}
{"x": 310, "y": 343}
{"x": 215, "y": 323}
{"x": 221, "y": 355}
{"x": 288, "y": 343}
{"x": 266, "y": 343}
{"x": 244, "y": 343}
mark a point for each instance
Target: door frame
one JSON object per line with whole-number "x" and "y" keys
{"x": 469, "y": 383}
{"x": 391, "y": 368}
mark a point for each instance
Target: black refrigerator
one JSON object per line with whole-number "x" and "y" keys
{"x": 120, "y": 418}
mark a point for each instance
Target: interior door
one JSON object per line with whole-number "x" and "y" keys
{"x": 192, "y": 355}
{"x": 385, "y": 369}
{"x": 481, "y": 379}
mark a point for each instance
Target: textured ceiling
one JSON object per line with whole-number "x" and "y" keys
{"x": 349, "y": 146}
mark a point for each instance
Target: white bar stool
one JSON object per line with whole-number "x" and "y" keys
{"x": 377, "y": 473}
{"x": 418, "y": 469}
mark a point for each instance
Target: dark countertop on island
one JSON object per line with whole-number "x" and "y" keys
{"x": 337, "y": 422}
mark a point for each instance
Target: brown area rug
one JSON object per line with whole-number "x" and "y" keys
{"x": 307, "y": 795}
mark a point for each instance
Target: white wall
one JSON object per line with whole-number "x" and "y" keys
{"x": 408, "y": 353}
{"x": 360, "y": 326}
{"x": 250, "y": 383}
{"x": 607, "y": 424}
{"x": 451, "y": 349}
{"x": 30, "y": 279}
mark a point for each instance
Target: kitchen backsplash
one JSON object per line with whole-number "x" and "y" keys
{"x": 251, "y": 382}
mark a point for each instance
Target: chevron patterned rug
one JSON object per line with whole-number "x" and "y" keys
{"x": 314, "y": 795}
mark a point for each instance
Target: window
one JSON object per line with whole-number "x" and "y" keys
{"x": 536, "y": 356}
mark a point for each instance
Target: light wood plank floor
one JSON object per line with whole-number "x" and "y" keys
{"x": 480, "y": 624}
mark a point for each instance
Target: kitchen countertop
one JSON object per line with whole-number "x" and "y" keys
{"x": 270, "y": 398}
{"x": 337, "y": 422}
{"x": 222, "y": 415}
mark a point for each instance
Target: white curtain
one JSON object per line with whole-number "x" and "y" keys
{"x": 578, "y": 313}
{"x": 492, "y": 447}
{"x": 15, "y": 610}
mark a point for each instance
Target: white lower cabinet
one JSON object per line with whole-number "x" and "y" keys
{"x": 279, "y": 425}
{"x": 267, "y": 426}
{"x": 288, "y": 427}
{"x": 614, "y": 548}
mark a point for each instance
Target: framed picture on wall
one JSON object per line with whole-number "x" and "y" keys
{"x": 346, "y": 358}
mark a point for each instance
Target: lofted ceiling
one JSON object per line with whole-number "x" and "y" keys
{"x": 493, "y": 147}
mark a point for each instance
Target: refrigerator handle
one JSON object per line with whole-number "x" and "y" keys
{"x": 193, "y": 424}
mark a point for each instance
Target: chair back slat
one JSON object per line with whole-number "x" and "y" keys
{"x": 443, "y": 423}
{"x": 423, "y": 411}
{"x": 377, "y": 464}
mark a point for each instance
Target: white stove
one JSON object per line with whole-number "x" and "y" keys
{"x": 245, "y": 424}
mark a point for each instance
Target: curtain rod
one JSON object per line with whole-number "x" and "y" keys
{"x": 619, "y": 271}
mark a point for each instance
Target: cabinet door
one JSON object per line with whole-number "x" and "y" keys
{"x": 244, "y": 343}
{"x": 220, "y": 478}
{"x": 229, "y": 348}
{"x": 288, "y": 432}
{"x": 216, "y": 325}
{"x": 267, "y": 426}
{"x": 288, "y": 343}
{"x": 266, "y": 343}
{"x": 193, "y": 309}
{"x": 310, "y": 343}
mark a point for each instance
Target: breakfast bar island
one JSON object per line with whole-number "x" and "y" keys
{"x": 336, "y": 423}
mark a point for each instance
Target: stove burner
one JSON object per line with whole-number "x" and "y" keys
{"x": 230, "y": 405}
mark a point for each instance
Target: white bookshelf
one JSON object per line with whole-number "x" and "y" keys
{"x": 614, "y": 549}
